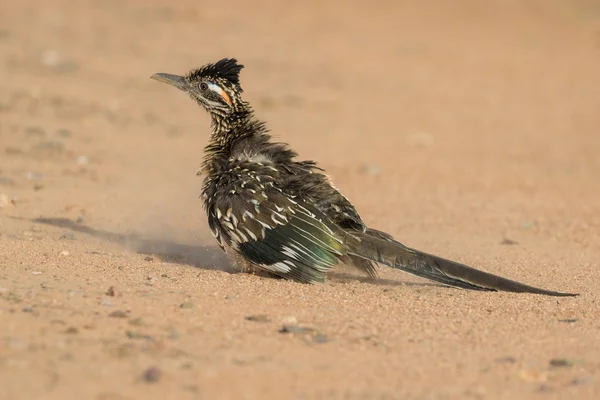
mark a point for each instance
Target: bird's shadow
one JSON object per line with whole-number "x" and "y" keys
{"x": 203, "y": 257}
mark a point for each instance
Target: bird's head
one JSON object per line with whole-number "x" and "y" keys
{"x": 216, "y": 87}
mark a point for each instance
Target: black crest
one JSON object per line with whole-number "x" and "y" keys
{"x": 227, "y": 68}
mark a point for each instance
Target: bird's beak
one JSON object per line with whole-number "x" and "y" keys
{"x": 173, "y": 80}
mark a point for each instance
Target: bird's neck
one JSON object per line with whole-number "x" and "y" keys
{"x": 229, "y": 130}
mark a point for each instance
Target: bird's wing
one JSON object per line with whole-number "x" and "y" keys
{"x": 272, "y": 229}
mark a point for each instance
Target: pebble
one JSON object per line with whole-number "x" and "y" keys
{"x": 72, "y": 330}
{"x": 118, "y": 314}
{"x": 137, "y": 335}
{"x": 111, "y": 291}
{"x": 295, "y": 329}
{"x": 152, "y": 374}
{"x": 568, "y": 320}
{"x": 258, "y": 318}
{"x": 63, "y": 253}
{"x": 561, "y": 362}
{"x": 28, "y": 309}
{"x": 186, "y": 305}
{"x": 508, "y": 242}
{"x": 36, "y": 272}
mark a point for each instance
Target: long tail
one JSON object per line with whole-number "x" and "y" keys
{"x": 396, "y": 255}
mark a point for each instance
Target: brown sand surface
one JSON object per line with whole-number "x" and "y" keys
{"x": 466, "y": 129}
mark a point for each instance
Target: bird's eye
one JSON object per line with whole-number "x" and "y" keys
{"x": 203, "y": 86}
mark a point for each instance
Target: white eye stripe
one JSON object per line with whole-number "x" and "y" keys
{"x": 215, "y": 88}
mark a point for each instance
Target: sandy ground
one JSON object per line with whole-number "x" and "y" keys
{"x": 465, "y": 130}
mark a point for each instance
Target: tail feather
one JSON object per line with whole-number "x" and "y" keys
{"x": 396, "y": 255}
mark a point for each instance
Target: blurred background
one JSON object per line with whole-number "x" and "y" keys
{"x": 469, "y": 129}
{"x": 487, "y": 105}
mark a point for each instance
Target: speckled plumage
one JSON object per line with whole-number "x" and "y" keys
{"x": 284, "y": 216}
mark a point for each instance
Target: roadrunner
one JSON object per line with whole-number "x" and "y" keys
{"x": 284, "y": 216}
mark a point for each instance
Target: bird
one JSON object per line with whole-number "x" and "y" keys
{"x": 284, "y": 217}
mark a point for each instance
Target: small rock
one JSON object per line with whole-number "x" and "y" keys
{"x": 36, "y": 272}
{"x": 63, "y": 253}
{"x": 508, "y": 242}
{"x": 72, "y": 330}
{"x": 148, "y": 258}
{"x": 152, "y": 374}
{"x": 258, "y": 318}
{"x": 118, "y": 314}
{"x": 164, "y": 276}
{"x": 28, "y": 309}
{"x": 37, "y": 187}
{"x": 137, "y": 335}
{"x": 83, "y": 160}
{"x": 111, "y": 291}
{"x": 295, "y": 329}
{"x": 568, "y": 320}
{"x": 186, "y": 305}
{"x": 561, "y": 362}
